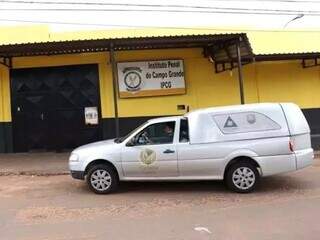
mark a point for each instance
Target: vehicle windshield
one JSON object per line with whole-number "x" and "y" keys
{"x": 121, "y": 139}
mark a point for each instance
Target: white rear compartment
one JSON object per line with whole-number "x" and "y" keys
{"x": 211, "y": 125}
{"x": 299, "y": 135}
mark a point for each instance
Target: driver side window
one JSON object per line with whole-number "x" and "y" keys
{"x": 158, "y": 133}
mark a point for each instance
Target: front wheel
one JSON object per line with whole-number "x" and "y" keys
{"x": 102, "y": 179}
{"x": 242, "y": 177}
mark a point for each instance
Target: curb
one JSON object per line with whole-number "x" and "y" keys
{"x": 34, "y": 173}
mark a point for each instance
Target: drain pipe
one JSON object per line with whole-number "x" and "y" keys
{"x": 115, "y": 86}
{"x": 240, "y": 72}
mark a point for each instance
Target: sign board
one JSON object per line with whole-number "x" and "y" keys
{"x": 151, "y": 78}
{"x": 91, "y": 115}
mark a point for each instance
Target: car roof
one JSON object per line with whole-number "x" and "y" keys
{"x": 164, "y": 119}
{"x": 243, "y": 107}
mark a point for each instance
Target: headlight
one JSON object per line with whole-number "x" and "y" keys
{"x": 74, "y": 158}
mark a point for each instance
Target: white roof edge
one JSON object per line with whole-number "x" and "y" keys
{"x": 232, "y": 107}
{"x": 161, "y": 119}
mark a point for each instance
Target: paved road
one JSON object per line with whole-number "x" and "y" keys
{"x": 59, "y": 208}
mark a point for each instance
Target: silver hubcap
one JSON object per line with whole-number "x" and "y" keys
{"x": 243, "y": 178}
{"x": 100, "y": 180}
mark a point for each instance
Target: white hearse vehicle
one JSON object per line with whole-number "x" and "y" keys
{"x": 237, "y": 144}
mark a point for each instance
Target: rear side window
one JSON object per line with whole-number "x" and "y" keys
{"x": 184, "y": 131}
{"x": 245, "y": 122}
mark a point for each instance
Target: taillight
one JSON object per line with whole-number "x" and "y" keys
{"x": 291, "y": 146}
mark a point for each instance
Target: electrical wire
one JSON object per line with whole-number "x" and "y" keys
{"x": 205, "y": 8}
{"x": 138, "y": 5}
{"x": 144, "y": 5}
{"x": 218, "y": 11}
{"x": 98, "y": 24}
{"x": 129, "y": 26}
{"x": 294, "y": 19}
{"x": 279, "y": 1}
{"x": 200, "y": 9}
{"x": 139, "y": 26}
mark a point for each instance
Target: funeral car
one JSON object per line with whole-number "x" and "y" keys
{"x": 238, "y": 144}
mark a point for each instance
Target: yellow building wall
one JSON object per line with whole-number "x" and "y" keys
{"x": 263, "y": 82}
{"x": 288, "y": 81}
{"x": 277, "y": 81}
{"x": 102, "y": 59}
{"x": 262, "y": 41}
{"x": 166, "y": 105}
{"x": 24, "y": 34}
{"x": 204, "y": 87}
{"x": 5, "y": 107}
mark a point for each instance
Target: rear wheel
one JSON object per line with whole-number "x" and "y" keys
{"x": 102, "y": 179}
{"x": 242, "y": 177}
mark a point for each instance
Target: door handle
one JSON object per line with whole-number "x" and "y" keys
{"x": 168, "y": 151}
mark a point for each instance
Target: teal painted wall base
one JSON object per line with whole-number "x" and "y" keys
{"x": 6, "y": 137}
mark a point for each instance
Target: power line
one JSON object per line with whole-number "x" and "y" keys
{"x": 142, "y": 26}
{"x": 205, "y": 8}
{"x": 70, "y": 23}
{"x": 151, "y": 5}
{"x": 143, "y": 5}
{"x": 105, "y": 25}
{"x": 294, "y": 19}
{"x": 279, "y": 1}
{"x": 100, "y": 24}
{"x": 217, "y": 11}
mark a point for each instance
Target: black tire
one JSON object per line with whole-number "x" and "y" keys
{"x": 235, "y": 176}
{"x": 110, "y": 173}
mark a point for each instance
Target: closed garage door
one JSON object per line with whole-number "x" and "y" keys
{"x": 48, "y": 107}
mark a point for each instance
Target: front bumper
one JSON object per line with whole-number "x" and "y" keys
{"x": 77, "y": 174}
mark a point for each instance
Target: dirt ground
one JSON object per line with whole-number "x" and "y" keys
{"x": 60, "y": 208}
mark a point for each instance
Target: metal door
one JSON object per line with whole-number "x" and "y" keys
{"x": 48, "y": 107}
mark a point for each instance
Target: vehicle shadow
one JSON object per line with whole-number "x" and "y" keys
{"x": 273, "y": 184}
{"x": 170, "y": 186}
{"x": 287, "y": 183}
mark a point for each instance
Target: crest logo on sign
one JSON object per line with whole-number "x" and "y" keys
{"x": 132, "y": 78}
{"x": 230, "y": 123}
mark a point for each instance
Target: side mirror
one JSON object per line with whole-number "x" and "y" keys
{"x": 130, "y": 143}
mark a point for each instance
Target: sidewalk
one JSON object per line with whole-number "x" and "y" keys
{"x": 49, "y": 163}
{"x": 40, "y": 164}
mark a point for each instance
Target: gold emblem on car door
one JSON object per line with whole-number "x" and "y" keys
{"x": 148, "y": 156}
